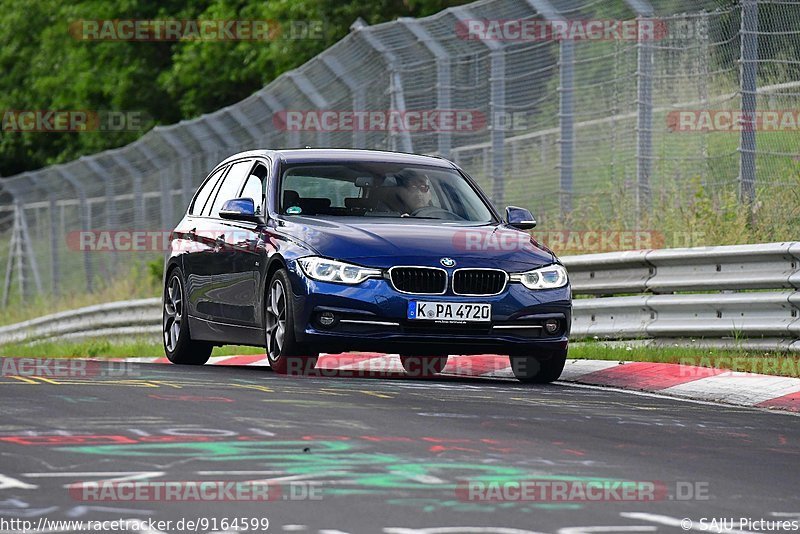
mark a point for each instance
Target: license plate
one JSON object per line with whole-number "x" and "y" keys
{"x": 451, "y": 312}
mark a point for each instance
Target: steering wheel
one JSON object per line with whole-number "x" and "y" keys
{"x": 436, "y": 213}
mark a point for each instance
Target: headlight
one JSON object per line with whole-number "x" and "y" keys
{"x": 550, "y": 277}
{"x": 326, "y": 270}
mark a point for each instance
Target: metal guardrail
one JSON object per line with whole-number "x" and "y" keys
{"x": 732, "y": 294}
{"x": 727, "y": 295}
{"x": 113, "y": 319}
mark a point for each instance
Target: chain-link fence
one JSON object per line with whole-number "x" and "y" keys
{"x": 605, "y": 131}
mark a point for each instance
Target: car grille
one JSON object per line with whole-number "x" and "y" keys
{"x": 479, "y": 281}
{"x": 423, "y": 280}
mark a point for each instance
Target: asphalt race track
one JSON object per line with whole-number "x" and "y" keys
{"x": 384, "y": 455}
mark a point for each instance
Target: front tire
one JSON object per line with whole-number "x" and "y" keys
{"x": 423, "y": 365}
{"x": 538, "y": 369}
{"x": 285, "y": 355}
{"x": 178, "y": 344}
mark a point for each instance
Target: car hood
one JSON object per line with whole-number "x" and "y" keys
{"x": 385, "y": 243}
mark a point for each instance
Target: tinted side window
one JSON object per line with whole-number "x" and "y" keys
{"x": 205, "y": 191}
{"x": 231, "y": 185}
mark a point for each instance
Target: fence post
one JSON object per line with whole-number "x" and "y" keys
{"x": 497, "y": 104}
{"x": 398, "y": 99}
{"x": 183, "y": 153}
{"x": 356, "y": 90}
{"x": 55, "y": 231}
{"x": 275, "y": 106}
{"x": 85, "y": 221}
{"x": 644, "y": 107}
{"x": 566, "y": 105}
{"x": 308, "y": 90}
{"x": 644, "y": 123}
{"x": 566, "y": 121}
{"x": 245, "y": 123}
{"x": 444, "y": 140}
{"x": 138, "y": 198}
{"x": 749, "y": 69}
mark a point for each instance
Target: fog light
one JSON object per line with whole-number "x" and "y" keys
{"x": 327, "y": 319}
{"x": 551, "y": 326}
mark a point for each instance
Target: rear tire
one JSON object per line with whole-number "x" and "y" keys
{"x": 178, "y": 344}
{"x": 423, "y": 365}
{"x": 285, "y": 355}
{"x": 537, "y": 369}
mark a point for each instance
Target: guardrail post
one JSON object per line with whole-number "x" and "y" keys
{"x": 748, "y": 86}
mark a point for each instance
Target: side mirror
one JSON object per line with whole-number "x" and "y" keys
{"x": 240, "y": 209}
{"x": 520, "y": 218}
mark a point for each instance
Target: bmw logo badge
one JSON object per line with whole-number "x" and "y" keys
{"x": 448, "y": 262}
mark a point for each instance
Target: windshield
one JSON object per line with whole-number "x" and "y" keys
{"x": 378, "y": 189}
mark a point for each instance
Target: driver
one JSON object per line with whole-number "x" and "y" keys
{"x": 414, "y": 191}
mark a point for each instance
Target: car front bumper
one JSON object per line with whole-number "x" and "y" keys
{"x": 371, "y": 316}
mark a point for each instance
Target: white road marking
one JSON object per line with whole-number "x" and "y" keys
{"x": 7, "y": 482}
{"x": 105, "y": 476}
{"x": 457, "y": 530}
{"x": 587, "y": 530}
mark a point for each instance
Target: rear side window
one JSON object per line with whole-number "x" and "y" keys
{"x": 205, "y": 191}
{"x": 231, "y": 185}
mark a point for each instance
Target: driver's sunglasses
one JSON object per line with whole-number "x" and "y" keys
{"x": 422, "y": 186}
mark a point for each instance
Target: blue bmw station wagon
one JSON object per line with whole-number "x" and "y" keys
{"x": 328, "y": 250}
